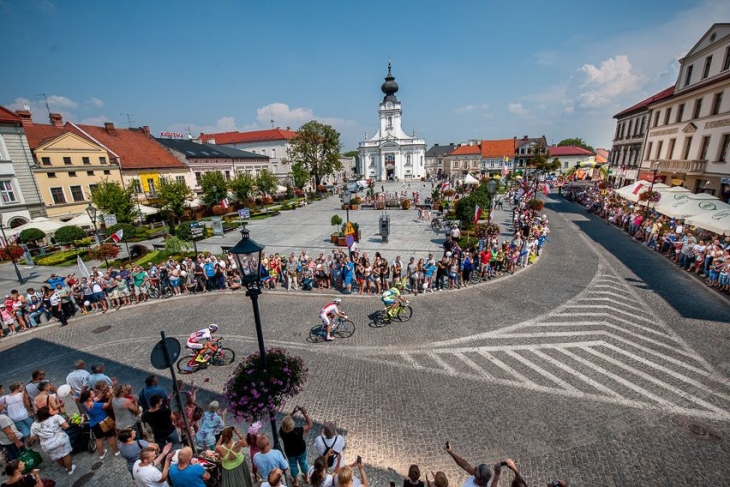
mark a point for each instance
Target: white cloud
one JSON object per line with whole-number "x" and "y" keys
{"x": 517, "y": 109}
{"x": 61, "y": 101}
{"x": 94, "y": 102}
{"x": 98, "y": 121}
{"x": 605, "y": 83}
{"x": 481, "y": 107}
{"x": 283, "y": 116}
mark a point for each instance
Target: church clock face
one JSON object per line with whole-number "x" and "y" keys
{"x": 389, "y": 104}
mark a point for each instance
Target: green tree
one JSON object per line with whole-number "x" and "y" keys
{"x": 317, "y": 147}
{"x": 214, "y": 186}
{"x": 173, "y": 196}
{"x": 577, "y": 142}
{"x": 242, "y": 186}
{"x": 68, "y": 234}
{"x": 266, "y": 181}
{"x": 110, "y": 198}
{"x": 174, "y": 245}
{"x": 184, "y": 233}
{"x": 31, "y": 235}
{"x": 300, "y": 175}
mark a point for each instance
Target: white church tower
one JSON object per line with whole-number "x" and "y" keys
{"x": 392, "y": 154}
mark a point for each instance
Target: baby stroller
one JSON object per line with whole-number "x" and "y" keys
{"x": 81, "y": 437}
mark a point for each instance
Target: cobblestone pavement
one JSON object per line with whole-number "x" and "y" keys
{"x": 602, "y": 364}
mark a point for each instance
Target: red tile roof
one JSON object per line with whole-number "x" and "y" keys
{"x": 601, "y": 155}
{"x": 568, "y": 150}
{"x": 244, "y": 137}
{"x": 8, "y": 116}
{"x": 136, "y": 148}
{"x": 666, "y": 93}
{"x": 466, "y": 149}
{"x": 38, "y": 134}
{"x": 498, "y": 148}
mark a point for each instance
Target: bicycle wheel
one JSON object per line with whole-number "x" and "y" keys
{"x": 154, "y": 292}
{"x": 317, "y": 334}
{"x": 183, "y": 367}
{"x": 436, "y": 225}
{"x": 167, "y": 292}
{"x": 345, "y": 329}
{"x": 224, "y": 356}
{"x": 405, "y": 312}
{"x": 475, "y": 277}
{"x": 380, "y": 319}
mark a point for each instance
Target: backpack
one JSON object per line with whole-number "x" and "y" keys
{"x": 330, "y": 459}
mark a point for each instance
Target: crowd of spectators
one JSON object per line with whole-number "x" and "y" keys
{"x": 693, "y": 249}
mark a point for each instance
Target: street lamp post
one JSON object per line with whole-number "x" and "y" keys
{"x": 346, "y": 200}
{"x": 654, "y": 170}
{"x": 10, "y": 254}
{"x": 91, "y": 211}
{"x": 492, "y": 187}
{"x": 247, "y": 253}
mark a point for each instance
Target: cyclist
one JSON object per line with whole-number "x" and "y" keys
{"x": 200, "y": 341}
{"x": 331, "y": 310}
{"x": 390, "y": 299}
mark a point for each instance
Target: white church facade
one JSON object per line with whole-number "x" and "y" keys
{"x": 392, "y": 154}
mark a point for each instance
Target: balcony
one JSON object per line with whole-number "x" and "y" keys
{"x": 682, "y": 166}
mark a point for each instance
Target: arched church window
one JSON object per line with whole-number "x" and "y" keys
{"x": 390, "y": 122}
{"x": 408, "y": 159}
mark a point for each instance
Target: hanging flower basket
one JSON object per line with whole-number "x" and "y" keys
{"x": 253, "y": 392}
{"x": 650, "y": 196}
{"x": 536, "y": 205}
{"x": 492, "y": 229}
{"x": 602, "y": 185}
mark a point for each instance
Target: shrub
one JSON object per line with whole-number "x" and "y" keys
{"x": 58, "y": 258}
{"x": 266, "y": 200}
{"x": 104, "y": 251}
{"x": 183, "y": 232}
{"x": 174, "y": 245}
{"x": 149, "y": 257}
{"x": 128, "y": 230}
{"x": 253, "y": 392}
{"x": 68, "y": 234}
{"x": 30, "y": 235}
{"x": 13, "y": 251}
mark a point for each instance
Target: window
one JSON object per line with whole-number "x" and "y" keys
{"x": 102, "y": 160}
{"x": 51, "y": 174}
{"x": 72, "y": 174}
{"x": 151, "y": 186}
{"x": 180, "y": 179}
{"x": 659, "y": 149}
{"x": 698, "y": 108}
{"x": 670, "y": 149}
{"x": 46, "y": 161}
{"x": 77, "y": 193}
{"x": 667, "y": 114}
{"x": 67, "y": 161}
{"x": 107, "y": 173}
{"x": 680, "y": 112}
{"x": 656, "y": 119}
{"x": 6, "y": 191}
{"x": 687, "y": 147}
{"x": 273, "y": 153}
{"x": 57, "y": 195}
{"x": 4, "y": 150}
{"x": 136, "y": 186}
{"x": 628, "y": 132}
{"x": 688, "y": 75}
{"x": 228, "y": 175}
{"x": 86, "y": 160}
{"x": 648, "y": 151}
{"x": 724, "y": 148}
{"x": 197, "y": 179}
{"x": 705, "y": 146}
{"x": 456, "y": 164}
{"x": 708, "y": 64}
{"x": 89, "y": 173}
{"x": 717, "y": 103}
{"x": 726, "y": 63}
{"x": 92, "y": 188}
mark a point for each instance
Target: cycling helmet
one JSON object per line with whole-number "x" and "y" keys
{"x": 213, "y": 327}
{"x": 337, "y": 300}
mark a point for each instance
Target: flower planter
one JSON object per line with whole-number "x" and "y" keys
{"x": 341, "y": 241}
{"x": 334, "y": 237}
{"x": 353, "y": 207}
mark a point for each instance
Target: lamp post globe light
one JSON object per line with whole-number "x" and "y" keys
{"x": 7, "y": 246}
{"x": 346, "y": 200}
{"x": 247, "y": 253}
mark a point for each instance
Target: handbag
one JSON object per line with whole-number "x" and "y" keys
{"x": 107, "y": 425}
{"x": 31, "y": 458}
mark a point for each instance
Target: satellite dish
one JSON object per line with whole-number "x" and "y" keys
{"x": 26, "y": 107}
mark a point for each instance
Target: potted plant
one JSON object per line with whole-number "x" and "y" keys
{"x": 535, "y": 205}
{"x": 405, "y": 204}
{"x": 355, "y": 202}
{"x": 335, "y": 221}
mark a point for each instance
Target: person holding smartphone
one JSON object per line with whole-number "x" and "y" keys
{"x": 346, "y": 478}
{"x": 294, "y": 445}
{"x": 480, "y": 475}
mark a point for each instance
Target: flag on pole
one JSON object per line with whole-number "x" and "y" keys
{"x": 505, "y": 169}
{"x": 546, "y": 188}
{"x": 117, "y": 236}
{"x": 444, "y": 185}
{"x": 477, "y": 214}
{"x": 225, "y": 204}
{"x": 83, "y": 271}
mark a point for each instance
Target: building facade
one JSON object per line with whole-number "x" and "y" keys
{"x": 689, "y": 133}
{"x": 632, "y": 126}
{"x": 392, "y": 154}
{"x": 272, "y": 143}
{"x": 435, "y": 159}
{"x": 569, "y": 156}
{"x": 497, "y": 155}
{"x": 525, "y": 149}
{"x": 463, "y": 160}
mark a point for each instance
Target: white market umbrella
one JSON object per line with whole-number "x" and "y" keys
{"x": 82, "y": 220}
{"x": 45, "y": 225}
{"x": 714, "y": 221}
{"x": 631, "y": 191}
{"x": 695, "y": 204}
{"x": 470, "y": 180}
{"x": 148, "y": 210}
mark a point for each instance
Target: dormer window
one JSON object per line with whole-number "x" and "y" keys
{"x": 688, "y": 75}
{"x": 708, "y": 64}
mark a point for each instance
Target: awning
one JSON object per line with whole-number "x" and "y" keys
{"x": 716, "y": 221}
{"x": 45, "y": 225}
{"x": 695, "y": 204}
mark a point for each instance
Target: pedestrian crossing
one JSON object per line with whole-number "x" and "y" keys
{"x": 604, "y": 345}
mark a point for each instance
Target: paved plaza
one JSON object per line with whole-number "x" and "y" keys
{"x": 602, "y": 363}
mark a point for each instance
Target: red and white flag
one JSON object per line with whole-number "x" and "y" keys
{"x": 444, "y": 185}
{"x": 546, "y": 189}
{"x": 477, "y": 214}
{"x": 225, "y": 204}
{"x": 117, "y": 236}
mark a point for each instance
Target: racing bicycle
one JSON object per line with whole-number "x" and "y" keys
{"x": 220, "y": 356}
{"x": 160, "y": 288}
{"x": 402, "y": 313}
{"x": 341, "y": 328}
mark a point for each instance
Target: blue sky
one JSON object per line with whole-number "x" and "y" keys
{"x": 466, "y": 69}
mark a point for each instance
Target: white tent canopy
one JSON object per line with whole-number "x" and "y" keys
{"x": 470, "y": 180}
{"x": 695, "y": 204}
{"x": 714, "y": 221}
{"x": 632, "y": 191}
{"x": 148, "y": 210}
{"x": 80, "y": 220}
{"x": 45, "y": 225}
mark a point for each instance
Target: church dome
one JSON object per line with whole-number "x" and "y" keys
{"x": 390, "y": 87}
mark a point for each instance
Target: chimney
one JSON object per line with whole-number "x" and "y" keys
{"x": 56, "y": 119}
{"x": 525, "y": 138}
{"x": 435, "y": 145}
{"x": 25, "y": 117}
{"x": 109, "y": 127}
{"x": 146, "y": 129}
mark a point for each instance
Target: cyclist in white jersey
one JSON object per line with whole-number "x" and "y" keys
{"x": 331, "y": 310}
{"x": 200, "y": 341}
